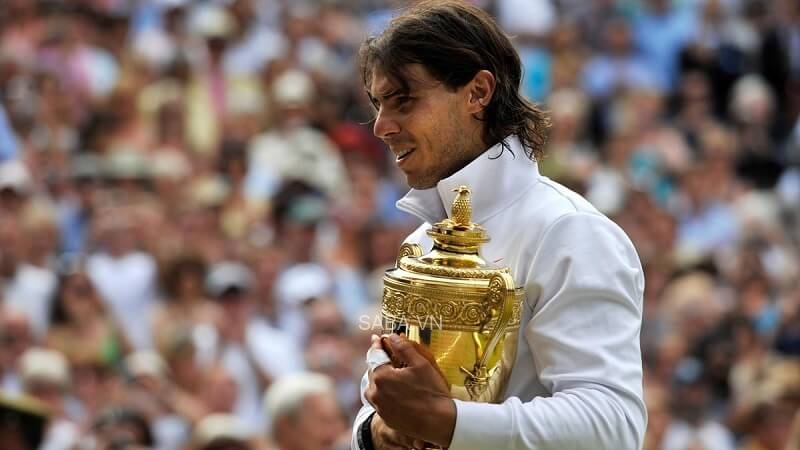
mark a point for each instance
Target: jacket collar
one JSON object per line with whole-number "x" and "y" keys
{"x": 496, "y": 178}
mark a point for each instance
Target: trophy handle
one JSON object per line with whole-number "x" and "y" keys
{"x": 501, "y": 303}
{"x": 414, "y": 250}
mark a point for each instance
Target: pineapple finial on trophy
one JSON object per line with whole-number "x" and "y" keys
{"x": 458, "y": 232}
{"x": 462, "y": 207}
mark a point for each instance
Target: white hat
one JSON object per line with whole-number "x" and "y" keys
{"x": 217, "y": 427}
{"x": 170, "y": 164}
{"x": 568, "y": 102}
{"x": 146, "y": 363}
{"x": 155, "y": 48}
{"x": 15, "y": 176}
{"x": 213, "y": 22}
{"x": 751, "y": 96}
{"x": 761, "y": 209}
{"x": 293, "y": 88}
{"x": 126, "y": 163}
{"x": 207, "y": 191}
{"x": 302, "y": 282}
{"x": 244, "y": 96}
{"x": 228, "y": 275}
{"x": 43, "y": 365}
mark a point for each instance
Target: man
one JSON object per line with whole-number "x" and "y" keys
{"x": 304, "y": 413}
{"x": 253, "y": 353}
{"x": 45, "y": 376}
{"x": 444, "y": 80}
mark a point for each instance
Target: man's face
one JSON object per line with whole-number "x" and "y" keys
{"x": 429, "y": 128}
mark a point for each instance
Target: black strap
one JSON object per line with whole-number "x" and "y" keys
{"x": 364, "y": 435}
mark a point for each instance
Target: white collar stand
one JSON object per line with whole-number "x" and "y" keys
{"x": 496, "y": 179}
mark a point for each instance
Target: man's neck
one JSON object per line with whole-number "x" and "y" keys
{"x": 479, "y": 147}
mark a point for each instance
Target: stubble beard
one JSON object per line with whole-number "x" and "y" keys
{"x": 448, "y": 156}
{"x": 456, "y": 153}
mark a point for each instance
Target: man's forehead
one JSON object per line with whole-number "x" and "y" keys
{"x": 407, "y": 78}
{"x": 382, "y": 84}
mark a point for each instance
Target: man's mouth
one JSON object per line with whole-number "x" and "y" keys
{"x": 404, "y": 154}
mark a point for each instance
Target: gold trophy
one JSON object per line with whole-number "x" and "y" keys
{"x": 465, "y": 312}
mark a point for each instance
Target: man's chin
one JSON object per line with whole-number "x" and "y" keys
{"x": 416, "y": 184}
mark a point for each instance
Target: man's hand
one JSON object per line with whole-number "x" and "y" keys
{"x": 413, "y": 399}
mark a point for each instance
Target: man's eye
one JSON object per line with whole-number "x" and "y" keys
{"x": 404, "y": 102}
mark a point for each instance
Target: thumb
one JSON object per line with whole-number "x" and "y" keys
{"x": 404, "y": 353}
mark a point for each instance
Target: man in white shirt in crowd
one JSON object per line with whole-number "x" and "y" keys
{"x": 444, "y": 80}
{"x": 252, "y": 351}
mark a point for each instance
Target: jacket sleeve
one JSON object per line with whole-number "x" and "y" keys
{"x": 363, "y": 413}
{"x": 584, "y": 339}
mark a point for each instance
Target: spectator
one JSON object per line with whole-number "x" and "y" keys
{"x": 80, "y": 327}
{"x": 34, "y": 283}
{"x": 304, "y": 413}
{"x": 186, "y": 307}
{"x": 45, "y": 377}
{"x": 661, "y": 31}
{"x": 253, "y": 354}
{"x": 619, "y": 66}
{"x": 294, "y": 149}
{"x": 124, "y": 276}
{"x": 17, "y": 338}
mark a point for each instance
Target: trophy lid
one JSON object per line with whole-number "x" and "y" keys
{"x": 458, "y": 234}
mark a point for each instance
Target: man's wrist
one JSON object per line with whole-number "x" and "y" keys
{"x": 445, "y": 412}
{"x": 364, "y": 435}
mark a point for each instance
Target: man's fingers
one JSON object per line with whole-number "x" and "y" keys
{"x": 376, "y": 357}
{"x": 403, "y": 351}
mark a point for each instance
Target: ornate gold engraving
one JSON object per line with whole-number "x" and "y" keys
{"x": 465, "y": 314}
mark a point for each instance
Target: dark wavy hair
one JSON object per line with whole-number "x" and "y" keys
{"x": 174, "y": 268}
{"x": 454, "y": 41}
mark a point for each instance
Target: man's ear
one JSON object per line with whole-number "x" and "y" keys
{"x": 480, "y": 91}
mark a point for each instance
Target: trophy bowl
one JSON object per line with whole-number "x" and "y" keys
{"x": 465, "y": 312}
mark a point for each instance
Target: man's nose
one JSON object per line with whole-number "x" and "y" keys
{"x": 385, "y": 125}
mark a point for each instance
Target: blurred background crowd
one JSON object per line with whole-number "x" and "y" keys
{"x": 195, "y": 216}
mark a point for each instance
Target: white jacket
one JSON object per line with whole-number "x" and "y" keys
{"x": 577, "y": 380}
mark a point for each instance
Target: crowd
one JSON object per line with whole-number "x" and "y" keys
{"x": 195, "y": 216}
